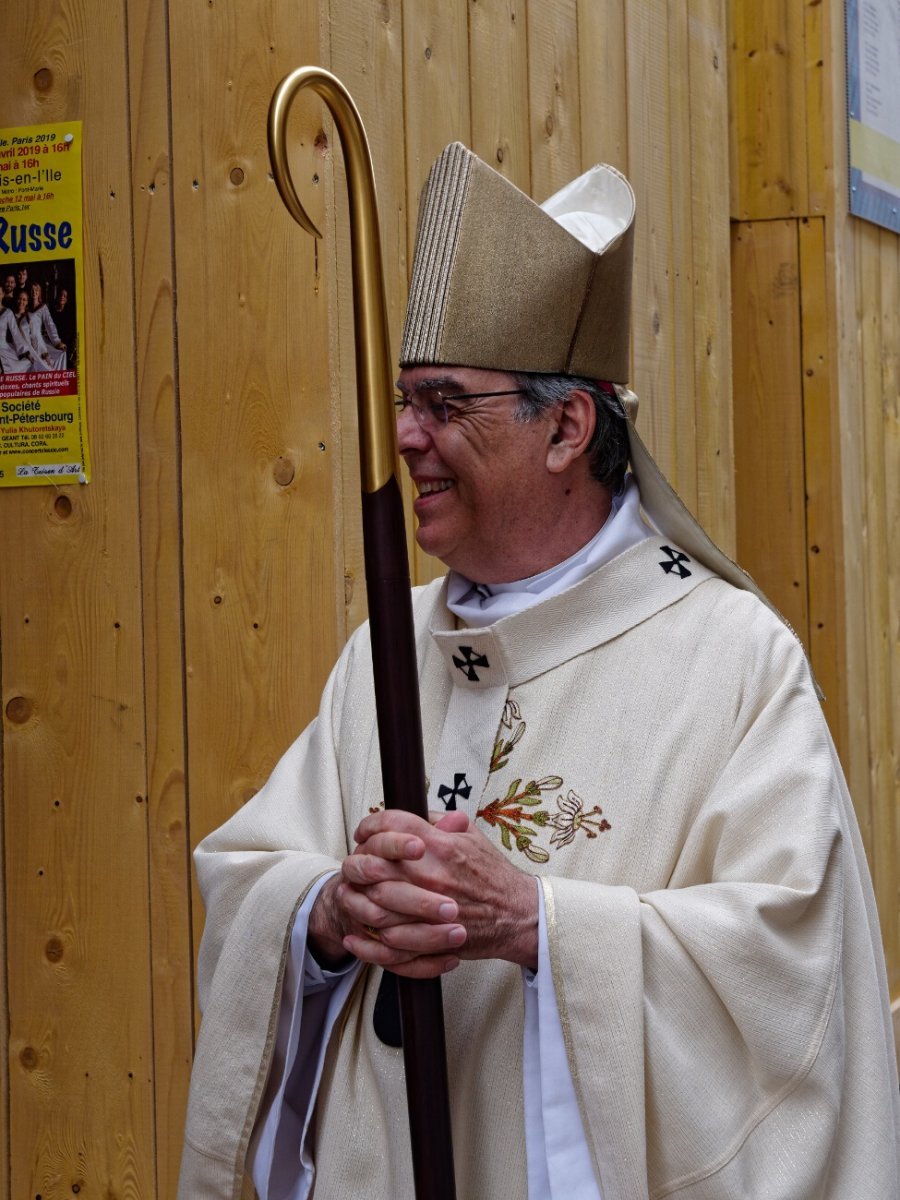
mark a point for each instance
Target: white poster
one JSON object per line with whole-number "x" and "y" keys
{"x": 873, "y": 78}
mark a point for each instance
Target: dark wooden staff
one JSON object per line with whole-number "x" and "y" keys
{"x": 388, "y": 588}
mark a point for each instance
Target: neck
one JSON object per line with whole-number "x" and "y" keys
{"x": 555, "y": 534}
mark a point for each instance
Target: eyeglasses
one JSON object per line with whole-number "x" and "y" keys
{"x": 433, "y": 409}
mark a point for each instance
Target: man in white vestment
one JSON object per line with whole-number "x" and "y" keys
{"x": 642, "y": 883}
{"x": 15, "y": 352}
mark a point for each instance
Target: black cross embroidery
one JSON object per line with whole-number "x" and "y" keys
{"x": 676, "y": 563}
{"x": 461, "y": 787}
{"x": 469, "y": 662}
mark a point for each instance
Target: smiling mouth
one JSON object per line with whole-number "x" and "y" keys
{"x": 429, "y": 487}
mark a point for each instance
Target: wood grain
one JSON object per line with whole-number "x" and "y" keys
{"x": 603, "y": 96}
{"x": 710, "y": 337}
{"x": 498, "y": 64}
{"x": 682, "y": 402}
{"x": 889, "y": 826}
{"x": 879, "y": 656}
{"x": 768, "y": 84}
{"x": 651, "y": 168}
{"x": 261, "y": 619}
{"x": 821, "y": 455}
{"x": 768, "y": 414}
{"x": 436, "y": 82}
{"x": 159, "y": 473}
{"x": 553, "y": 96}
{"x": 365, "y": 51}
{"x": 75, "y": 778}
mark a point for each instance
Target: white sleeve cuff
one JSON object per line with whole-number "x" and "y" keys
{"x": 279, "y": 1163}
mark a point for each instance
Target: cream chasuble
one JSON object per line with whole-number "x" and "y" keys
{"x": 647, "y": 744}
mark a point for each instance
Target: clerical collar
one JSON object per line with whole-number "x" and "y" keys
{"x": 483, "y": 604}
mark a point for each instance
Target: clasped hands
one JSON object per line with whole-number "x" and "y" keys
{"x": 417, "y": 896}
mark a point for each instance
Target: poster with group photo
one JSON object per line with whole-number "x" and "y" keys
{"x": 43, "y": 433}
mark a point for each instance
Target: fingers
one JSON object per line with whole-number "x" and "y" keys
{"x": 401, "y": 943}
{"x": 394, "y": 820}
{"x": 396, "y": 845}
{"x": 390, "y": 820}
{"x": 406, "y": 963}
{"x": 453, "y": 821}
{"x": 395, "y": 902}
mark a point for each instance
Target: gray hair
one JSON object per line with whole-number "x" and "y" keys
{"x": 608, "y": 451}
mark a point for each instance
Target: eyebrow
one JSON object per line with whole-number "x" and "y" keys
{"x": 439, "y": 381}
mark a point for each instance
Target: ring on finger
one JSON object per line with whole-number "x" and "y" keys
{"x": 372, "y": 932}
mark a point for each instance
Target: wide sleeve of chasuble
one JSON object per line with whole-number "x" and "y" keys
{"x": 726, "y": 1026}
{"x": 254, "y": 873}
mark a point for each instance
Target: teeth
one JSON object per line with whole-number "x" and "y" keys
{"x": 439, "y": 485}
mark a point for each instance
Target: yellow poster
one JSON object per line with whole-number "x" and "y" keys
{"x": 43, "y": 434}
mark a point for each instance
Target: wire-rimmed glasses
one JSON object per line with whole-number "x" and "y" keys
{"x": 434, "y": 409}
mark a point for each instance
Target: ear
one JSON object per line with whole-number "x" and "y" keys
{"x": 573, "y": 428}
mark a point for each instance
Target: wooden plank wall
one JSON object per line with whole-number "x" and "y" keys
{"x": 866, "y": 332}
{"x": 165, "y": 631}
{"x": 816, "y": 333}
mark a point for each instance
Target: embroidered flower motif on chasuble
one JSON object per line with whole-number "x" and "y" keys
{"x": 519, "y": 816}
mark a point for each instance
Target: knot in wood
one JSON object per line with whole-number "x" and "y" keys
{"x": 19, "y": 710}
{"x": 283, "y": 471}
{"x": 53, "y": 951}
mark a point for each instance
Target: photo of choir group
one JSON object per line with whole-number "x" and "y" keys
{"x": 38, "y": 329}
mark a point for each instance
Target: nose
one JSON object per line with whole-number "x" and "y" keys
{"x": 411, "y": 437}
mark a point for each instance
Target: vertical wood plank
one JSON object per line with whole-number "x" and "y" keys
{"x": 768, "y": 414}
{"x": 651, "y": 167}
{"x": 160, "y": 515}
{"x": 365, "y": 51}
{"x": 5, "y": 1154}
{"x": 601, "y": 80}
{"x": 768, "y": 110}
{"x": 889, "y": 833}
{"x": 710, "y": 338}
{"x": 498, "y": 65}
{"x": 436, "y": 84}
{"x": 81, "y": 1103}
{"x": 877, "y": 619}
{"x": 436, "y": 89}
{"x": 823, "y": 518}
{"x": 819, "y": 107}
{"x": 553, "y": 96}
{"x": 682, "y": 399}
{"x": 845, "y": 316}
{"x": 259, "y": 455}
{"x": 853, "y": 475}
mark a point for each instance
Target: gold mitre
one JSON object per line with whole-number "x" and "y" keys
{"x": 500, "y": 282}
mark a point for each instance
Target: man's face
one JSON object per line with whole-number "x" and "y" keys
{"x": 22, "y": 276}
{"x": 481, "y": 479}
{"x": 9, "y": 285}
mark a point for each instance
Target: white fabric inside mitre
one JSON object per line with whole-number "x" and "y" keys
{"x": 596, "y": 208}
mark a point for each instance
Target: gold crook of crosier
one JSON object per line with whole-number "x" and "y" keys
{"x": 374, "y": 372}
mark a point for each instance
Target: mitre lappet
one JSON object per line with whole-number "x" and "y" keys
{"x": 502, "y": 283}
